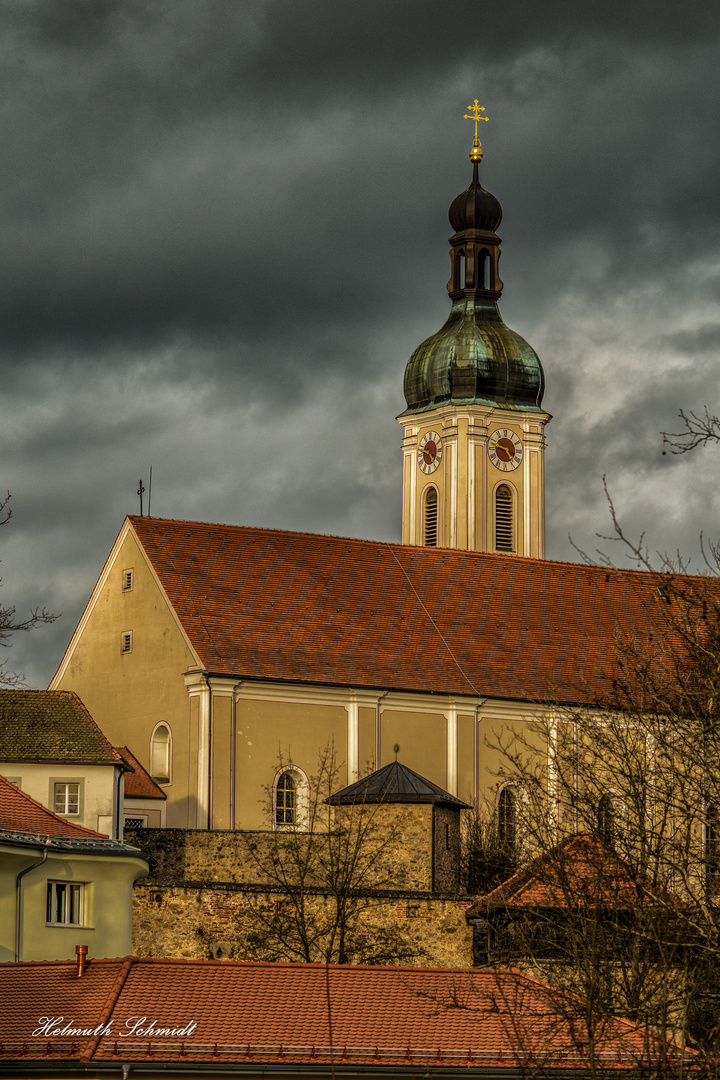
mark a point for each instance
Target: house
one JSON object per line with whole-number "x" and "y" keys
{"x": 61, "y": 885}
{"x": 142, "y": 1017}
{"x": 144, "y": 800}
{"x": 541, "y": 912}
{"x": 51, "y": 747}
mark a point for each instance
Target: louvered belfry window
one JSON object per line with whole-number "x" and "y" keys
{"x": 504, "y": 524}
{"x": 430, "y": 524}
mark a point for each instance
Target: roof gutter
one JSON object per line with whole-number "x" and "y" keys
{"x": 18, "y": 900}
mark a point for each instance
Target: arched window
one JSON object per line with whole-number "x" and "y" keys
{"x": 290, "y": 799}
{"x": 607, "y": 818}
{"x": 712, "y": 847}
{"x": 483, "y": 277}
{"x": 286, "y": 800}
{"x": 430, "y": 517}
{"x": 161, "y": 754}
{"x": 459, "y": 270}
{"x": 507, "y": 811}
{"x": 504, "y": 519}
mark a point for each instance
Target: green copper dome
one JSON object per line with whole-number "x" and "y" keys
{"x": 474, "y": 357}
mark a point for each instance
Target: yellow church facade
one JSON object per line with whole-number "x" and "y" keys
{"x": 225, "y": 657}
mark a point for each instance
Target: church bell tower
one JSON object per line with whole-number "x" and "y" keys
{"x": 473, "y": 450}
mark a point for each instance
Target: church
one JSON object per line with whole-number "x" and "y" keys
{"x": 226, "y": 657}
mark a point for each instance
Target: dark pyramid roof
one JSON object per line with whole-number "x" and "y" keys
{"x": 395, "y": 783}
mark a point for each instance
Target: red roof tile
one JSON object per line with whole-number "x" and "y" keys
{"x": 579, "y": 872}
{"x": 258, "y": 603}
{"x": 138, "y": 783}
{"x": 20, "y": 813}
{"x": 276, "y": 1014}
{"x": 50, "y": 725}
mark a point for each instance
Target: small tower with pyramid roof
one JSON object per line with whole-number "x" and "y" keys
{"x": 473, "y": 451}
{"x": 417, "y": 820}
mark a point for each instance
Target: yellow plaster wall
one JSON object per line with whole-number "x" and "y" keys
{"x": 12, "y": 862}
{"x": 96, "y": 786}
{"x": 367, "y": 751}
{"x": 466, "y": 758}
{"x": 422, "y": 740}
{"x": 127, "y": 695}
{"x": 271, "y": 732}
{"x": 107, "y": 929}
{"x": 221, "y": 750}
{"x": 498, "y": 739}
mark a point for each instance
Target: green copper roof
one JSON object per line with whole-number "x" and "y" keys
{"x": 474, "y": 357}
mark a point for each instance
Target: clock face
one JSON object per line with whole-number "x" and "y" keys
{"x": 505, "y": 449}
{"x": 429, "y": 453}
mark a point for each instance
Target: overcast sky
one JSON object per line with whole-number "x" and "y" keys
{"x": 223, "y": 231}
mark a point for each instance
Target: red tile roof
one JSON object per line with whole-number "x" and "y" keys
{"x": 138, "y": 783}
{"x": 20, "y": 813}
{"x": 51, "y": 726}
{"x": 264, "y": 1015}
{"x": 580, "y": 872}
{"x": 263, "y": 604}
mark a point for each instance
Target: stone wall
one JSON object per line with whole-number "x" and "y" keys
{"x": 207, "y": 922}
{"x": 413, "y": 851}
{"x": 207, "y": 890}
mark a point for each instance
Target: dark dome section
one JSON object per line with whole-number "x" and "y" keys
{"x": 476, "y": 358}
{"x": 475, "y": 208}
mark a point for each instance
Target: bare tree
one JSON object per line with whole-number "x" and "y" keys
{"x": 9, "y": 622}
{"x": 487, "y": 859}
{"x": 618, "y": 903}
{"x": 325, "y": 874}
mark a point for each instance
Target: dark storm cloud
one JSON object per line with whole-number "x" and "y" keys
{"x": 223, "y": 230}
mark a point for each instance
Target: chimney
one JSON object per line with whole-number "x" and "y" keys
{"x": 81, "y": 953}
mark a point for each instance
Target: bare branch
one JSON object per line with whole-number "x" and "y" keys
{"x": 9, "y": 622}
{"x": 698, "y": 431}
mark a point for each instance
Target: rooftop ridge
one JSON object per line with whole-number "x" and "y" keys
{"x": 503, "y": 557}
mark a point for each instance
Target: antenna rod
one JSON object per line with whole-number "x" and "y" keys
{"x": 149, "y": 491}
{"x": 140, "y": 492}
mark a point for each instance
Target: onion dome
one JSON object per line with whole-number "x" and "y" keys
{"x": 475, "y": 357}
{"x": 475, "y": 208}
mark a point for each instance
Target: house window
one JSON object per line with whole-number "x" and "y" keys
{"x": 127, "y": 580}
{"x": 126, "y": 641}
{"x": 66, "y": 799}
{"x": 135, "y": 822}
{"x": 286, "y": 800}
{"x": 504, "y": 523}
{"x": 430, "y": 517}
{"x": 161, "y": 754}
{"x": 65, "y": 903}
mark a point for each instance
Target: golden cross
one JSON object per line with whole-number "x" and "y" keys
{"x": 476, "y": 108}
